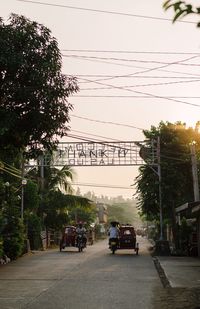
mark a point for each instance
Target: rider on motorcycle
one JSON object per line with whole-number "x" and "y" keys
{"x": 81, "y": 231}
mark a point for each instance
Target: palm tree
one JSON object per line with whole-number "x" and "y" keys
{"x": 62, "y": 179}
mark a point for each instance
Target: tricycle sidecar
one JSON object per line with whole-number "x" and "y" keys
{"x": 68, "y": 237}
{"x": 127, "y": 238}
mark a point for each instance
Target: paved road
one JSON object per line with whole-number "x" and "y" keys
{"x": 94, "y": 279}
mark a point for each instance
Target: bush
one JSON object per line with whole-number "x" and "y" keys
{"x": 13, "y": 238}
{"x": 1, "y": 238}
{"x": 34, "y": 231}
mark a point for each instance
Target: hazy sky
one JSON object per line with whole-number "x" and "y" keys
{"x": 158, "y": 60}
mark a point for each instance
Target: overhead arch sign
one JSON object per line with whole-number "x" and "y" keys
{"x": 101, "y": 154}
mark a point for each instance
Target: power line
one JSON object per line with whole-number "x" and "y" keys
{"x": 134, "y": 66}
{"x": 86, "y": 133}
{"x": 162, "y": 155}
{"x": 147, "y": 70}
{"x": 145, "y": 85}
{"x": 105, "y": 11}
{"x": 133, "y": 96}
{"x": 101, "y": 186}
{"x": 108, "y": 122}
{"x": 130, "y": 60}
{"x": 165, "y": 155}
{"x": 129, "y": 52}
{"x": 146, "y": 93}
{"x": 133, "y": 76}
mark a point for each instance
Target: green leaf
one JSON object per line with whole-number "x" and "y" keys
{"x": 177, "y": 15}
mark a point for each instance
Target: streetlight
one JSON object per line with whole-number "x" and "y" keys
{"x": 24, "y": 182}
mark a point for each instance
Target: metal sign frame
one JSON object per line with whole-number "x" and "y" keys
{"x": 119, "y": 153}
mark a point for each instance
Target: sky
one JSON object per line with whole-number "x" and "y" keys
{"x": 134, "y": 67}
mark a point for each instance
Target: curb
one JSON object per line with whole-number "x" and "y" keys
{"x": 163, "y": 278}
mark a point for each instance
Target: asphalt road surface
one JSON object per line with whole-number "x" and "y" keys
{"x": 93, "y": 279}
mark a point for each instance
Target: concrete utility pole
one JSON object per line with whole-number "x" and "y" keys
{"x": 160, "y": 189}
{"x": 22, "y": 191}
{"x": 195, "y": 188}
{"x": 194, "y": 172}
{"x": 41, "y": 163}
{"x": 157, "y": 170}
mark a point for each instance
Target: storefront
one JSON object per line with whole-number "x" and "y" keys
{"x": 191, "y": 211}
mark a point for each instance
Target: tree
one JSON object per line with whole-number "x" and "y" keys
{"x": 62, "y": 178}
{"x": 31, "y": 197}
{"x": 124, "y": 212}
{"x": 34, "y": 110}
{"x": 177, "y": 184}
{"x": 181, "y": 9}
{"x": 61, "y": 209}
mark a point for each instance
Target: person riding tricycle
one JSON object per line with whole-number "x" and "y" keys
{"x": 122, "y": 236}
{"x": 73, "y": 237}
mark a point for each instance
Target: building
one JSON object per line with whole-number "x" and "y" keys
{"x": 191, "y": 211}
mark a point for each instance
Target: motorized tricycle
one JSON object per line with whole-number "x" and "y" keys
{"x": 68, "y": 237}
{"x": 126, "y": 240}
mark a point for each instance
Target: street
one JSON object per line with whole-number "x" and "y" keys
{"x": 92, "y": 279}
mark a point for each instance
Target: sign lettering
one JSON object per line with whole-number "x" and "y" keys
{"x": 99, "y": 154}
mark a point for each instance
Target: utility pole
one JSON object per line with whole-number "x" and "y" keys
{"x": 160, "y": 189}
{"x": 41, "y": 160}
{"x": 157, "y": 170}
{"x": 195, "y": 188}
{"x": 194, "y": 172}
{"x": 22, "y": 190}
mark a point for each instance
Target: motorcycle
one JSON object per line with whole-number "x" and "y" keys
{"x": 113, "y": 245}
{"x": 80, "y": 242}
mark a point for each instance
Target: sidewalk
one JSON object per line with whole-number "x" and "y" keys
{"x": 179, "y": 272}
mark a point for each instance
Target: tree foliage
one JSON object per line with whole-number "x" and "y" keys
{"x": 33, "y": 91}
{"x": 181, "y": 9}
{"x": 61, "y": 178}
{"x": 13, "y": 236}
{"x": 124, "y": 212}
{"x": 176, "y": 184}
{"x": 61, "y": 209}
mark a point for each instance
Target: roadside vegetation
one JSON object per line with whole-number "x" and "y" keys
{"x": 34, "y": 114}
{"x": 177, "y": 180}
